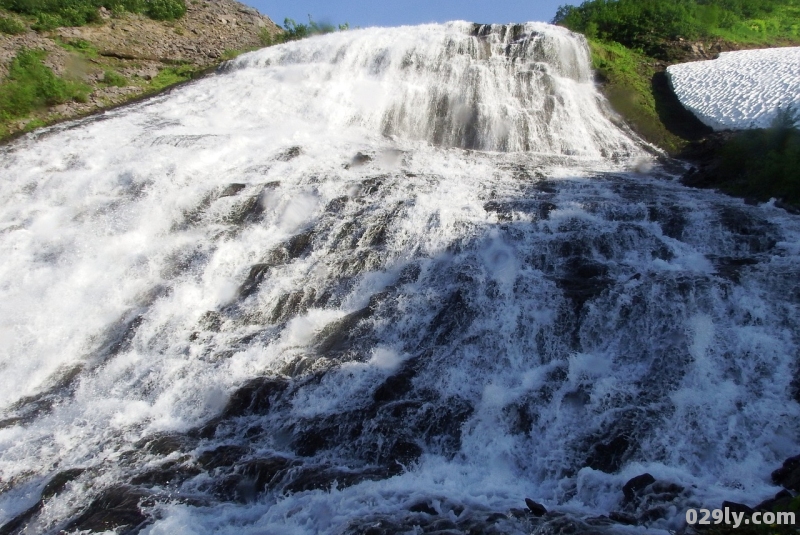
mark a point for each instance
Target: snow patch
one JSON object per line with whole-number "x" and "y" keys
{"x": 740, "y": 90}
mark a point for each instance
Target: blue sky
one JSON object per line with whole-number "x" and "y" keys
{"x": 398, "y": 12}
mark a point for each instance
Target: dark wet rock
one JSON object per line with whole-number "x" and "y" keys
{"x": 779, "y": 502}
{"x": 401, "y": 454}
{"x": 653, "y": 514}
{"x": 623, "y": 518}
{"x": 254, "y": 397}
{"x": 582, "y": 279}
{"x": 338, "y": 336}
{"x": 376, "y": 235}
{"x": 309, "y": 442}
{"x": 254, "y": 279}
{"x": 164, "y": 443}
{"x": 324, "y": 478}
{"x": 502, "y": 210}
{"x": 118, "y": 508}
{"x": 291, "y": 304}
{"x": 358, "y": 160}
{"x": 751, "y": 235}
{"x": 28, "y": 408}
{"x": 168, "y": 474}
{"x": 609, "y": 456}
{"x": 247, "y": 211}
{"x": 53, "y": 487}
{"x": 59, "y": 481}
{"x": 195, "y": 215}
{"x": 396, "y": 386}
{"x": 299, "y": 244}
{"x": 410, "y": 274}
{"x": 371, "y": 185}
{"x": 210, "y": 321}
{"x": 232, "y": 189}
{"x": 636, "y": 485}
{"x": 564, "y": 525}
{"x": 670, "y": 219}
{"x": 337, "y": 205}
{"x": 536, "y": 508}
{"x": 545, "y": 209}
{"x": 221, "y": 456}
{"x": 266, "y": 472}
{"x": 423, "y": 507}
{"x": 289, "y": 154}
{"x": 18, "y": 522}
{"x": 360, "y": 262}
{"x": 453, "y": 319}
{"x": 788, "y": 475}
{"x": 233, "y": 488}
{"x": 119, "y": 337}
{"x": 731, "y": 268}
{"x": 738, "y": 508}
{"x": 441, "y": 525}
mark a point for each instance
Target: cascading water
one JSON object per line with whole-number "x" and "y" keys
{"x": 382, "y": 281}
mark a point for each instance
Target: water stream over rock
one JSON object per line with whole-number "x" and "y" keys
{"x": 383, "y": 281}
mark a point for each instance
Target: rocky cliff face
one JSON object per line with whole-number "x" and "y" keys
{"x": 138, "y": 49}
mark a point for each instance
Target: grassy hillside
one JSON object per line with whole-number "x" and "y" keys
{"x": 649, "y": 25}
{"x": 62, "y": 59}
{"x": 50, "y": 14}
{"x": 632, "y": 43}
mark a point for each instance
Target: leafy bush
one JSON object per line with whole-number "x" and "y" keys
{"x": 293, "y": 31}
{"x": 80, "y": 46}
{"x": 52, "y": 14}
{"x": 171, "y": 76}
{"x": 764, "y": 163}
{"x": 644, "y": 24}
{"x": 165, "y": 9}
{"x": 31, "y": 85}
{"x": 11, "y": 26}
{"x": 114, "y": 78}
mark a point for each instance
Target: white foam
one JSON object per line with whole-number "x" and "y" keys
{"x": 118, "y": 221}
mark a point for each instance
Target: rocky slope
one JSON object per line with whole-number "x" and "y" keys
{"x": 147, "y": 55}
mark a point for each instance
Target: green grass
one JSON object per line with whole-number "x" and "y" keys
{"x": 292, "y": 31}
{"x": 647, "y": 25}
{"x": 171, "y": 76}
{"x": 230, "y": 53}
{"x": 31, "y": 86}
{"x": 113, "y": 78}
{"x": 763, "y": 163}
{"x": 628, "y": 78}
{"x": 11, "y": 26}
{"x": 51, "y": 14}
{"x": 79, "y": 46}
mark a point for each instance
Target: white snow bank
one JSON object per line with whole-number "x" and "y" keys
{"x": 740, "y": 90}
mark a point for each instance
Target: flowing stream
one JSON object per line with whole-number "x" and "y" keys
{"x": 384, "y": 281}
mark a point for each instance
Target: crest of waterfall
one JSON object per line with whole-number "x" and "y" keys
{"x": 390, "y": 280}
{"x": 525, "y": 87}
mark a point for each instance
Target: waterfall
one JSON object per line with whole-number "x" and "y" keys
{"x": 394, "y": 279}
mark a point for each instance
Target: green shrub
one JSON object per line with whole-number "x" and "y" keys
{"x": 764, "y": 163}
{"x": 11, "y": 26}
{"x": 292, "y": 31}
{"x": 165, "y": 9}
{"x": 52, "y": 14}
{"x": 113, "y": 78}
{"x": 79, "y": 46}
{"x": 31, "y": 85}
{"x": 646, "y": 24}
{"x": 171, "y": 76}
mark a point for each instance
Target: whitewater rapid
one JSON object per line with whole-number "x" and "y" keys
{"x": 383, "y": 277}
